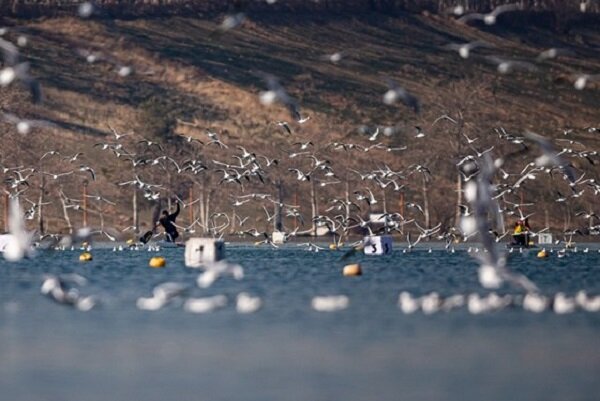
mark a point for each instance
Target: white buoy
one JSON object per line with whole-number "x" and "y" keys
{"x": 200, "y": 251}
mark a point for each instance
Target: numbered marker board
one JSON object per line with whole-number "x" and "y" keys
{"x": 378, "y": 245}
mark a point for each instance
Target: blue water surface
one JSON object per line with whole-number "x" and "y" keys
{"x": 287, "y": 351}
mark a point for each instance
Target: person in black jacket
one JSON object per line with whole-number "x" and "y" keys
{"x": 167, "y": 221}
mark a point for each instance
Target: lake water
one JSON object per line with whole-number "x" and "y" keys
{"x": 287, "y": 351}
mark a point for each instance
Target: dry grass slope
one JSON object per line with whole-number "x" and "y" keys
{"x": 183, "y": 70}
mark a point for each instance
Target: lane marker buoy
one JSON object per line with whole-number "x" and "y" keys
{"x": 157, "y": 261}
{"x": 352, "y": 270}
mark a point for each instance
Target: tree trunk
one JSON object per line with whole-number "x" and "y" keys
{"x": 40, "y": 206}
{"x": 314, "y": 207}
{"x": 5, "y": 214}
{"x": 425, "y": 202}
{"x": 207, "y": 217}
{"x": 277, "y": 221}
{"x": 136, "y": 222}
{"x": 66, "y": 215}
{"x": 202, "y": 209}
{"x": 459, "y": 194}
{"x": 347, "y": 194}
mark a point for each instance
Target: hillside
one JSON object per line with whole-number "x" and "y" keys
{"x": 184, "y": 69}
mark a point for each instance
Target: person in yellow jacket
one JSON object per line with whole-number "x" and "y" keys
{"x": 518, "y": 228}
{"x": 520, "y": 233}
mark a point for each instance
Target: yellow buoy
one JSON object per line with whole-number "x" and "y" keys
{"x": 130, "y": 242}
{"x": 85, "y": 257}
{"x": 157, "y": 261}
{"x": 542, "y": 254}
{"x": 352, "y": 270}
{"x": 333, "y": 247}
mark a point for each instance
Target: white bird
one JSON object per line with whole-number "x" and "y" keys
{"x": 333, "y": 58}
{"x": 563, "y": 304}
{"x": 246, "y": 303}
{"x": 582, "y": 80}
{"x": 453, "y": 301}
{"x": 204, "y": 305}
{"x": 505, "y": 66}
{"x": 534, "y": 302}
{"x": 395, "y": 93}
{"x": 431, "y": 303}
{"x": 232, "y": 21}
{"x": 56, "y": 288}
{"x": 407, "y": 303}
{"x": 19, "y": 242}
{"x": 589, "y": 304}
{"x": 331, "y": 303}
{"x": 464, "y": 49}
{"x": 553, "y": 53}
{"x": 162, "y": 294}
{"x": 489, "y": 18}
{"x": 24, "y": 126}
{"x": 212, "y": 271}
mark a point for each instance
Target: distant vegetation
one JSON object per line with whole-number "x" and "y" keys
{"x": 185, "y": 70}
{"x": 145, "y": 8}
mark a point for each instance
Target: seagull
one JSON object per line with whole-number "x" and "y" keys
{"x": 582, "y": 80}
{"x": 73, "y": 158}
{"x": 56, "y": 176}
{"x": 534, "y": 302}
{"x": 300, "y": 176}
{"x": 490, "y": 18}
{"x": 492, "y": 271}
{"x": 14, "y": 70}
{"x": 89, "y": 170}
{"x": 407, "y": 303}
{"x": 505, "y": 66}
{"x": 19, "y": 242}
{"x": 469, "y": 140}
{"x": 480, "y": 154}
{"x": 205, "y": 305}
{"x": 333, "y": 58}
{"x": 464, "y": 49}
{"x": 246, "y": 303}
{"x": 415, "y": 206}
{"x": 444, "y": 117}
{"x": 303, "y": 145}
{"x": 395, "y": 93}
{"x": 373, "y": 137}
{"x": 276, "y": 92}
{"x": 285, "y": 125}
{"x": 549, "y": 156}
{"x": 116, "y": 133}
{"x": 553, "y": 53}
{"x": 563, "y": 304}
{"x": 232, "y": 21}
{"x": 212, "y": 271}
{"x": 99, "y": 198}
{"x": 150, "y": 143}
{"x": 162, "y": 294}
{"x": 24, "y": 126}
{"x": 56, "y": 288}
{"x": 332, "y": 303}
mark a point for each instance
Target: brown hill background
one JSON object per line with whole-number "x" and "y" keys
{"x": 184, "y": 69}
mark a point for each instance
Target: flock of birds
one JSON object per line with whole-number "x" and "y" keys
{"x": 489, "y": 186}
{"x": 67, "y": 289}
